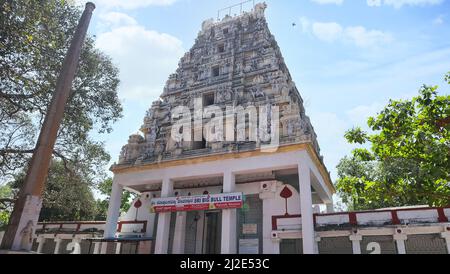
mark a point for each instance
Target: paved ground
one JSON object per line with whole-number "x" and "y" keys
{"x": 15, "y": 252}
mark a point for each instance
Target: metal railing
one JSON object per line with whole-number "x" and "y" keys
{"x": 230, "y": 8}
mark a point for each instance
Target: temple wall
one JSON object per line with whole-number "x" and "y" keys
{"x": 387, "y": 244}
{"x": 422, "y": 230}
{"x": 250, "y": 216}
{"x": 335, "y": 245}
{"x": 426, "y": 244}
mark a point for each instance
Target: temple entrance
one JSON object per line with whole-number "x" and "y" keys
{"x": 203, "y": 232}
{"x": 212, "y": 232}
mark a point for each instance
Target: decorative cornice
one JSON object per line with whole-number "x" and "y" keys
{"x": 227, "y": 156}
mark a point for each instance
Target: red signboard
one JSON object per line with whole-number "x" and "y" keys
{"x": 197, "y": 203}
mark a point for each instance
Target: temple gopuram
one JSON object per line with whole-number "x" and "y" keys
{"x": 227, "y": 162}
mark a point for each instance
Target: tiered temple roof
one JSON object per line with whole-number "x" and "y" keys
{"x": 236, "y": 62}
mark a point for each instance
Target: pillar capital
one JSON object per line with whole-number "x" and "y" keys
{"x": 445, "y": 235}
{"x": 276, "y": 240}
{"x": 400, "y": 237}
{"x": 355, "y": 237}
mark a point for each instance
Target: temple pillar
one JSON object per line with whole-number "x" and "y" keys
{"x": 180, "y": 233}
{"x": 113, "y": 211}
{"x": 306, "y": 208}
{"x": 229, "y": 222}
{"x": 41, "y": 241}
{"x": 400, "y": 242}
{"x": 112, "y": 217}
{"x": 446, "y": 236}
{"x": 356, "y": 243}
{"x": 163, "y": 229}
{"x": 58, "y": 241}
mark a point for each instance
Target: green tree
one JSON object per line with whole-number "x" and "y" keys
{"x": 6, "y": 203}
{"x": 34, "y": 38}
{"x": 105, "y": 189}
{"x": 68, "y": 195}
{"x": 408, "y": 160}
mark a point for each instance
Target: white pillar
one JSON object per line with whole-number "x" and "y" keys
{"x": 41, "y": 241}
{"x": 446, "y": 236}
{"x": 400, "y": 241}
{"x": 316, "y": 245}
{"x": 2, "y": 233}
{"x": 306, "y": 208}
{"x": 113, "y": 211}
{"x": 58, "y": 245}
{"x": 179, "y": 237}
{"x": 330, "y": 207}
{"x": 228, "y": 244}
{"x": 199, "y": 233}
{"x": 163, "y": 229}
{"x": 276, "y": 246}
{"x": 269, "y": 245}
{"x": 97, "y": 246}
{"x": 118, "y": 247}
{"x": 356, "y": 243}
{"x": 74, "y": 246}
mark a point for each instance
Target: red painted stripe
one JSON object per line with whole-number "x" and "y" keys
{"x": 442, "y": 218}
{"x": 274, "y": 223}
{"x": 395, "y": 219}
{"x": 353, "y": 219}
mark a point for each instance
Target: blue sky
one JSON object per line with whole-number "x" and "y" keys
{"x": 348, "y": 58}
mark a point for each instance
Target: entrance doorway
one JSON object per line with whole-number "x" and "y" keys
{"x": 212, "y": 232}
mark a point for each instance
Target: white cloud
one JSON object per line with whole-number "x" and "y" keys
{"x": 357, "y": 35}
{"x": 400, "y": 3}
{"x": 330, "y": 129}
{"x": 367, "y": 38}
{"x": 116, "y": 19}
{"x": 328, "y": 32}
{"x": 324, "y": 2}
{"x": 439, "y": 20}
{"x": 374, "y": 3}
{"x": 128, "y": 4}
{"x": 360, "y": 114}
{"x": 145, "y": 57}
{"x": 305, "y": 24}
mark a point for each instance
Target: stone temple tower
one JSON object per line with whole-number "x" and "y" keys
{"x": 234, "y": 62}
{"x": 229, "y": 124}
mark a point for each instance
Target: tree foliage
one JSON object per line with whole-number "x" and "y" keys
{"x": 34, "y": 39}
{"x": 105, "y": 188}
{"x": 6, "y": 203}
{"x": 408, "y": 162}
{"x": 67, "y": 197}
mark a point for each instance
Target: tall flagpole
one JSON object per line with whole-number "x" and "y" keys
{"x": 24, "y": 218}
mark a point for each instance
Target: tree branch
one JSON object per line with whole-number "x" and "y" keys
{"x": 65, "y": 161}
{"x": 16, "y": 151}
{"x": 5, "y": 203}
